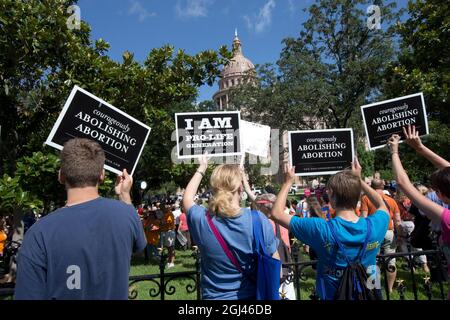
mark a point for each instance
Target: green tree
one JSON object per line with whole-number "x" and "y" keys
{"x": 334, "y": 66}
{"x": 41, "y": 60}
{"x": 423, "y": 64}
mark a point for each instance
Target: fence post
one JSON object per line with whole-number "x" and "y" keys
{"x": 162, "y": 266}
{"x": 197, "y": 255}
{"x": 411, "y": 269}
{"x": 296, "y": 255}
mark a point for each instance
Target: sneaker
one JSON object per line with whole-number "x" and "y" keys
{"x": 170, "y": 265}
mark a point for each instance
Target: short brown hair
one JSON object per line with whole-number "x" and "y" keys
{"x": 377, "y": 184}
{"x": 82, "y": 163}
{"x": 440, "y": 181}
{"x": 346, "y": 189}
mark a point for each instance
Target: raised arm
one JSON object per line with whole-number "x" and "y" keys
{"x": 373, "y": 196}
{"x": 277, "y": 213}
{"x": 123, "y": 186}
{"x": 413, "y": 140}
{"x": 247, "y": 188}
{"x": 431, "y": 209}
{"x": 192, "y": 187}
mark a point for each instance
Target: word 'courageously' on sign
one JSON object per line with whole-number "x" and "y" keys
{"x": 320, "y": 152}
{"x": 86, "y": 116}
{"x": 216, "y": 133}
{"x": 385, "y": 118}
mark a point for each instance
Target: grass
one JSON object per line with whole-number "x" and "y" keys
{"x": 183, "y": 262}
{"x": 307, "y": 287}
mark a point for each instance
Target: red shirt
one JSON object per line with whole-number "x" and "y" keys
{"x": 183, "y": 222}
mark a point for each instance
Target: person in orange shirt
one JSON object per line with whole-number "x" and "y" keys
{"x": 389, "y": 244}
{"x": 3, "y": 236}
{"x": 151, "y": 229}
{"x": 168, "y": 236}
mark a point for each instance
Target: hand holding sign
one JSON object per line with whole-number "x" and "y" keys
{"x": 123, "y": 186}
{"x": 356, "y": 168}
{"x": 393, "y": 142}
{"x": 203, "y": 162}
{"x": 289, "y": 173}
{"x": 412, "y": 137}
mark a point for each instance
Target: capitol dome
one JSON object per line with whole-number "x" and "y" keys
{"x": 233, "y": 74}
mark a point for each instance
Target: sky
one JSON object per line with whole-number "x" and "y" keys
{"x": 195, "y": 25}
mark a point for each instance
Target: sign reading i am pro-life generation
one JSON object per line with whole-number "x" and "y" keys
{"x": 385, "y": 118}
{"x": 216, "y": 133}
{"x": 86, "y": 116}
{"x": 320, "y": 152}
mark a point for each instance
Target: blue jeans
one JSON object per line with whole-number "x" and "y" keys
{"x": 152, "y": 251}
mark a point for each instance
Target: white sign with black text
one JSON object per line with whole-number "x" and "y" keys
{"x": 215, "y": 133}
{"x": 121, "y": 136}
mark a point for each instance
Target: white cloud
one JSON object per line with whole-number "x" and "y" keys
{"x": 263, "y": 19}
{"x": 192, "y": 8}
{"x": 138, "y": 9}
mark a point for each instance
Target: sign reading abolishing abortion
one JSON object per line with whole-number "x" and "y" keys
{"x": 86, "y": 116}
{"x": 255, "y": 138}
{"x": 320, "y": 152}
{"x": 216, "y": 133}
{"x": 385, "y": 118}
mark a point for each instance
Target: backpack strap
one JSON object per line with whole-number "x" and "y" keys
{"x": 258, "y": 232}
{"x": 341, "y": 247}
{"x": 366, "y": 241}
{"x": 336, "y": 239}
{"x": 222, "y": 243}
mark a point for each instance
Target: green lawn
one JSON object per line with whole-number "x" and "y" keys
{"x": 185, "y": 262}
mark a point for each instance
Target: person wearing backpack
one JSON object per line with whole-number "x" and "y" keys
{"x": 235, "y": 243}
{"x": 390, "y": 239}
{"x": 347, "y": 245}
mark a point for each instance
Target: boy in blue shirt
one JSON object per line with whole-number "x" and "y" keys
{"x": 344, "y": 189}
{"x": 83, "y": 250}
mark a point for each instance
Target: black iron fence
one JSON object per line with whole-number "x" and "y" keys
{"x": 410, "y": 284}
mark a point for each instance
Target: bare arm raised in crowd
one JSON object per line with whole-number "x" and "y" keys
{"x": 192, "y": 187}
{"x": 277, "y": 213}
{"x": 413, "y": 140}
{"x": 248, "y": 190}
{"x": 373, "y": 196}
{"x": 123, "y": 186}
{"x": 431, "y": 209}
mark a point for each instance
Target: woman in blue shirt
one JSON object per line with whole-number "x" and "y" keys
{"x": 220, "y": 278}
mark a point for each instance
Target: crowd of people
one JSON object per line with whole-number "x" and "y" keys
{"x": 165, "y": 226}
{"x": 83, "y": 250}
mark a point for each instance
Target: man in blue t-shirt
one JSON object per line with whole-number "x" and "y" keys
{"x": 344, "y": 189}
{"x": 83, "y": 250}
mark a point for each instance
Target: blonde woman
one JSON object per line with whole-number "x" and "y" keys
{"x": 220, "y": 278}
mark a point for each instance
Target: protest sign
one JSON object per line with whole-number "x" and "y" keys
{"x": 255, "y": 138}
{"x": 320, "y": 152}
{"x": 385, "y": 118}
{"x": 86, "y": 116}
{"x": 216, "y": 133}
